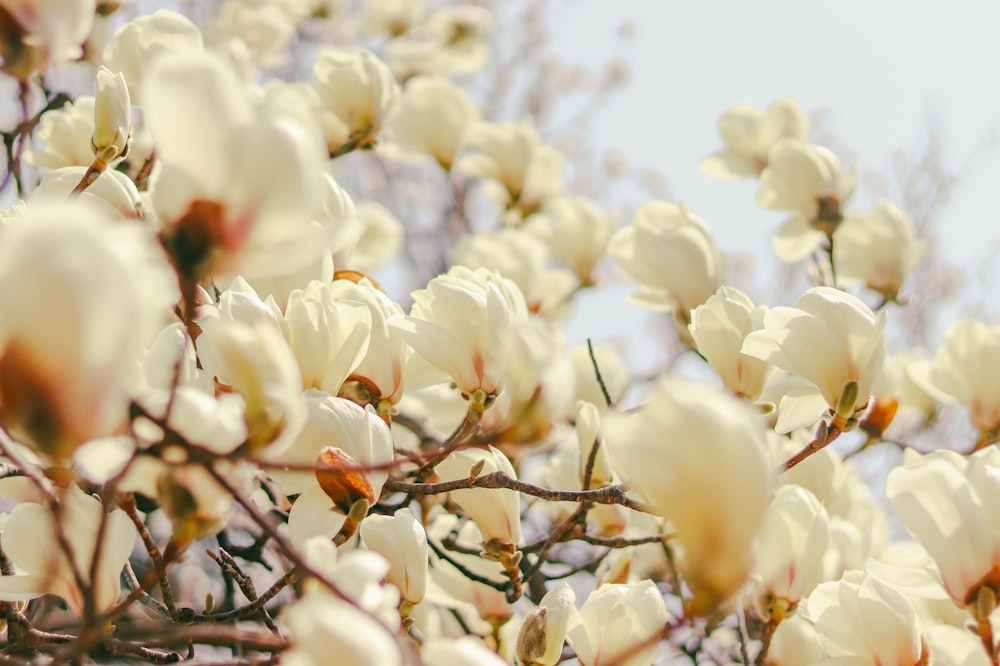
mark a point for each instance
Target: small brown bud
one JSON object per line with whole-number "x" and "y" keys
{"x": 340, "y": 479}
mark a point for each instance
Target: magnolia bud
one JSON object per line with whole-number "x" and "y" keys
{"x": 112, "y": 116}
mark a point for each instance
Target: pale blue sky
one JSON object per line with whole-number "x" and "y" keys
{"x": 881, "y": 71}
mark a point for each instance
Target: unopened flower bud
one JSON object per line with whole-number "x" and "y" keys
{"x": 112, "y": 116}
{"x": 340, "y": 479}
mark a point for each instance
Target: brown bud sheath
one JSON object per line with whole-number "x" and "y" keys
{"x": 341, "y": 480}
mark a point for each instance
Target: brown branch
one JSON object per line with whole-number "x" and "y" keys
{"x": 597, "y": 373}
{"x": 607, "y": 495}
{"x": 255, "y": 606}
{"x": 129, "y": 507}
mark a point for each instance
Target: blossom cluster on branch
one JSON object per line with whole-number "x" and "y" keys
{"x": 223, "y": 441}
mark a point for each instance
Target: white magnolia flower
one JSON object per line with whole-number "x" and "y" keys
{"x": 257, "y": 363}
{"x": 64, "y": 136}
{"x": 461, "y": 323}
{"x": 83, "y": 295}
{"x": 831, "y": 339}
{"x": 462, "y": 35}
{"x": 614, "y": 620}
{"x": 719, "y": 326}
{"x": 512, "y": 158}
{"x": 30, "y": 541}
{"x": 806, "y": 181}
{"x": 401, "y": 539}
{"x": 794, "y": 642}
{"x": 523, "y": 259}
{"x": 395, "y": 17}
{"x": 878, "y": 249}
{"x": 321, "y": 625}
{"x": 965, "y": 370}
{"x": 459, "y": 652}
{"x": 543, "y": 633}
{"x": 379, "y": 238}
{"x": 113, "y": 191}
{"x": 673, "y": 256}
{"x": 237, "y": 191}
{"x": 112, "y": 116}
{"x": 358, "y": 93}
{"x": 144, "y": 39}
{"x": 262, "y": 28}
{"x": 946, "y": 501}
{"x": 489, "y": 603}
{"x": 39, "y": 33}
{"x": 345, "y": 438}
{"x": 791, "y": 544}
{"x": 861, "y": 620}
{"x": 577, "y": 231}
{"x": 433, "y": 119}
{"x": 749, "y": 133}
{"x": 700, "y": 458}
{"x": 497, "y": 512}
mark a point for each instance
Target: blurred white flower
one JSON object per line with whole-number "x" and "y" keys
{"x": 831, "y": 339}
{"x": 358, "y": 93}
{"x": 461, "y": 34}
{"x": 144, "y": 39}
{"x": 237, "y": 191}
{"x": 433, "y": 119}
{"x": 64, "y": 136}
{"x": 806, "y": 181}
{"x": 878, "y": 249}
{"x": 615, "y": 619}
{"x": 30, "y": 541}
{"x": 394, "y": 17}
{"x": 321, "y": 626}
{"x": 459, "y": 652}
{"x": 966, "y": 370}
{"x": 673, "y": 256}
{"x": 113, "y": 191}
{"x": 719, "y": 327}
{"x": 749, "y": 133}
{"x": 262, "y": 26}
{"x": 39, "y": 33}
{"x": 699, "y": 456}
{"x": 577, "y": 231}
{"x": 82, "y": 297}
{"x": 512, "y": 158}
{"x": 379, "y": 238}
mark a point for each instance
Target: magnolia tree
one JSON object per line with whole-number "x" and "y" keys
{"x": 223, "y": 441}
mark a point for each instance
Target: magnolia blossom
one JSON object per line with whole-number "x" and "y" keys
{"x": 718, "y": 327}
{"x": 395, "y": 17}
{"x": 144, "y": 39}
{"x": 82, "y": 296}
{"x": 831, "y": 339}
{"x": 461, "y": 34}
{"x": 114, "y": 192}
{"x": 263, "y": 30}
{"x": 577, "y": 231}
{"x": 379, "y": 238}
{"x": 878, "y": 249}
{"x": 322, "y": 625}
{"x": 511, "y": 156}
{"x": 792, "y": 541}
{"x": 64, "y": 136}
{"x": 30, "y": 541}
{"x": 966, "y": 370}
{"x": 497, "y": 512}
{"x": 112, "y": 116}
{"x": 343, "y": 438}
{"x": 749, "y": 133}
{"x": 806, "y": 181}
{"x": 947, "y": 502}
{"x": 39, "y": 33}
{"x": 401, "y": 539}
{"x": 521, "y": 258}
{"x": 700, "y": 458}
{"x": 238, "y": 190}
{"x": 487, "y": 602}
{"x": 433, "y": 119}
{"x": 614, "y": 620}
{"x": 861, "y": 620}
{"x": 673, "y": 256}
{"x": 358, "y": 93}
{"x": 257, "y": 363}
{"x": 459, "y": 652}
{"x": 543, "y": 633}
{"x": 461, "y": 323}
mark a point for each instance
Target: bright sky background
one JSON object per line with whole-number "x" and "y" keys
{"x": 882, "y": 73}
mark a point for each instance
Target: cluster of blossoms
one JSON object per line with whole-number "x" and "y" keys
{"x": 196, "y": 358}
